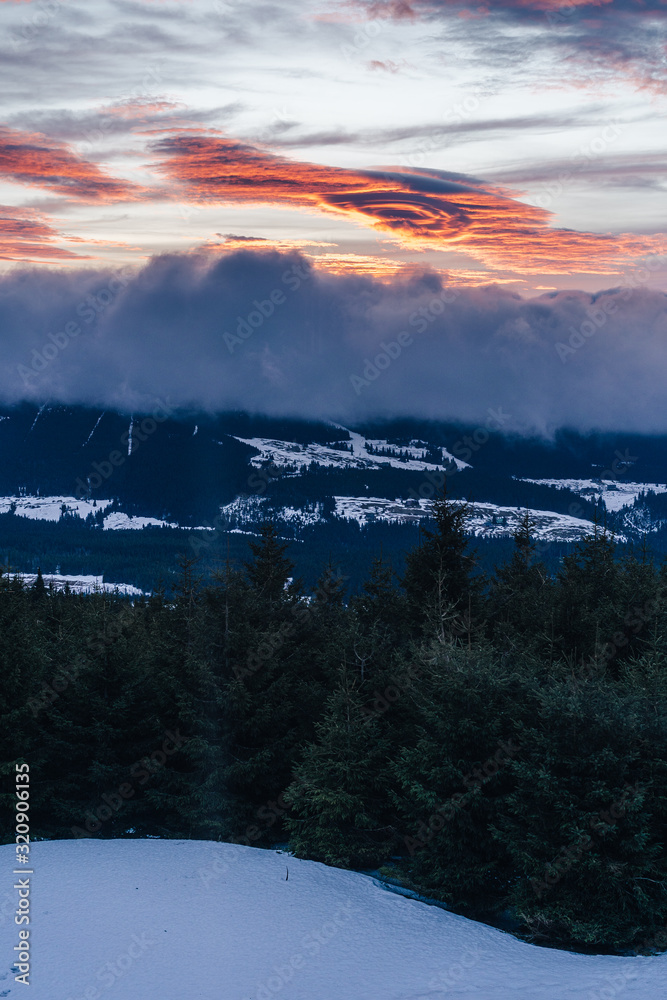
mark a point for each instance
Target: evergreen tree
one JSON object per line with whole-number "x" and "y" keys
{"x": 39, "y": 587}
{"x": 450, "y": 781}
{"x": 439, "y": 575}
{"x": 270, "y": 570}
{"x": 520, "y": 609}
{"x": 583, "y": 824}
{"x": 586, "y": 600}
{"x": 339, "y": 806}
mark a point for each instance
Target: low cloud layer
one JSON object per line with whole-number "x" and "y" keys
{"x": 263, "y": 331}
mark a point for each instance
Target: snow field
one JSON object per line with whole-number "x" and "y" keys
{"x": 195, "y": 920}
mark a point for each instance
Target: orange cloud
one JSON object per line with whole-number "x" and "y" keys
{"x": 30, "y": 158}
{"x": 24, "y": 235}
{"x": 424, "y": 208}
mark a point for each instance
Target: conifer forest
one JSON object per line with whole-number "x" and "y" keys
{"x": 496, "y": 741}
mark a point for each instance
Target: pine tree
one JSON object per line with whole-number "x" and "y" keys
{"x": 39, "y": 587}
{"x": 339, "y": 809}
{"x": 584, "y": 824}
{"x": 381, "y": 610}
{"x": 520, "y": 607}
{"x": 439, "y": 574}
{"x": 449, "y": 782}
{"x": 270, "y": 569}
{"x": 587, "y": 611}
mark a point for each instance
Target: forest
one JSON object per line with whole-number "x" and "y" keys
{"x": 495, "y": 740}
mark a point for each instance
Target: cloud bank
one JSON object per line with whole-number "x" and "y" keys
{"x": 264, "y": 331}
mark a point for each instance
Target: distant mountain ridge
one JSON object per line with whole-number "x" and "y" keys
{"x": 184, "y": 467}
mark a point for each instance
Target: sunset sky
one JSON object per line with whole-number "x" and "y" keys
{"x": 516, "y": 142}
{"x": 518, "y": 146}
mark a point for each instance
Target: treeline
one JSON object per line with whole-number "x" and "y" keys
{"x": 498, "y": 743}
{"x": 147, "y": 558}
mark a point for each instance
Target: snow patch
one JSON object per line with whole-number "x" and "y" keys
{"x": 160, "y": 919}
{"x": 615, "y": 495}
{"x": 487, "y": 520}
{"x": 296, "y": 457}
{"x": 81, "y": 584}
{"x": 93, "y": 430}
{"x": 50, "y": 508}
{"x": 39, "y": 413}
{"x": 117, "y": 521}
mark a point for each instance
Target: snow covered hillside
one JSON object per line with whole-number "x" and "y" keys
{"x": 356, "y": 453}
{"x": 51, "y": 509}
{"x": 82, "y": 584}
{"x": 615, "y": 494}
{"x": 193, "y": 920}
{"x": 486, "y": 519}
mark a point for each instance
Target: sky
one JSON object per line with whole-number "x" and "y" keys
{"x": 512, "y": 153}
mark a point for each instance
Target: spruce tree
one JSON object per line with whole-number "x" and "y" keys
{"x": 520, "y": 609}
{"x": 270, "y": 569}
{"x": 587, "y": 608}
{"x": 339, "y": 808}
{"x": 39, "y": 587}
{"x": 439, "y": 574}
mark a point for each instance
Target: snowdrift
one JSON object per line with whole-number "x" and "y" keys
{"x": 193, "y": 920}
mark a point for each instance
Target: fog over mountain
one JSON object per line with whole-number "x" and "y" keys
{"x": 266, "y": 332}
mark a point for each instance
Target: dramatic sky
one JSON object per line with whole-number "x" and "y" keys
{"x": 501, "y": 167}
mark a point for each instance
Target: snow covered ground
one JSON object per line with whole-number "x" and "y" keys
{"x": 193, "y": 920}
{"x": 50, "y": 509}
{"x": 549, "y": 526}
{"x": 249, "y": 511}
{"x": 288, "y": 453}
{"x": 81, "y": 585}
{"x": 615, "y": 494}
{"x": 117, "y": 521}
